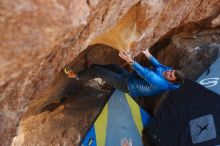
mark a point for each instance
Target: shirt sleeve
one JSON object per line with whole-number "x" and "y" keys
{"x": 154, "y": 61}
{"x": 150, "y": 76}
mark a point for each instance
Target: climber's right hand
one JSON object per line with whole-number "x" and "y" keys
{"x": 126, "y": 56}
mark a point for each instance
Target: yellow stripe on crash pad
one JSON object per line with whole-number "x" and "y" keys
{"x": 101, "y": 127}
{"x": 135, "y": 113}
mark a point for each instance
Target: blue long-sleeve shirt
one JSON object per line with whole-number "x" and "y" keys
{"x": 147, "y": 82}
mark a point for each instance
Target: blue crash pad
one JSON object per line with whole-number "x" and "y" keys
{"x": 211, "y": 80}
{"x": 120, "y": 118}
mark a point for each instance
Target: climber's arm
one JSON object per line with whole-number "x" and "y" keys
{"x": 143, "y": 72}
{"x": 148, "y": 75}
{"x": 151, "y": 58}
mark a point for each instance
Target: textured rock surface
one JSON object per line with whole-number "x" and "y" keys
{"x": 61, "y": 124}
{"x": 38, "y": 38}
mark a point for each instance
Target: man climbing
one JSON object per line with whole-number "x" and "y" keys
{"x": 143, "y": 82}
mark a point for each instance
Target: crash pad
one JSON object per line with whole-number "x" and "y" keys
{"x": 189, "y": 116}
{"x": 120, "y": 118}
{"x": 211, "y": 78}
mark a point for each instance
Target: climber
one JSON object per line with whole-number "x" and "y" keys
{"x": 143, "y": 82}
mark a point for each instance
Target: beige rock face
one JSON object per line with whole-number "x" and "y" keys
{"x": 38, "y": 38}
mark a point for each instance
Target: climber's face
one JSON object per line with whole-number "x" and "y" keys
{"x": 170, "y": 75}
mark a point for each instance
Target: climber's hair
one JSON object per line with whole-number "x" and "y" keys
{"x": 179, "y": 77}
